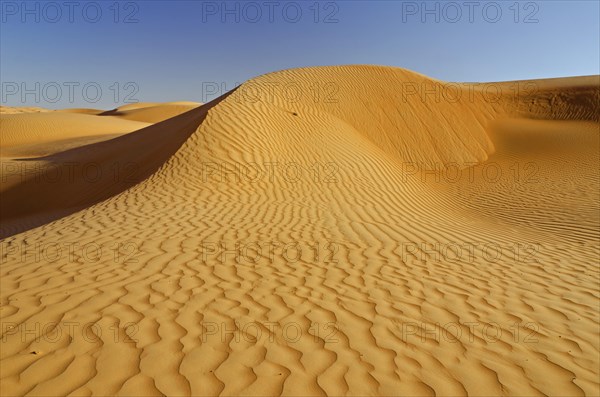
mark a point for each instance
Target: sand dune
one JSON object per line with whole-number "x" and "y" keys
{"x": 352, "y": 230}
{"x": 72, "y": 179}
{"x": 39, "y": 129}
{"x": 23, "y": 109}
{"x": 80, "y": 110}
{"x": 152, "y": 113}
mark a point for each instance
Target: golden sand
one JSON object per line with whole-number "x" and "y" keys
{"x": 352, "y": 230}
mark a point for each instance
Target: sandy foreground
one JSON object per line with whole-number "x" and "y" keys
{"x": 352, "y": 230}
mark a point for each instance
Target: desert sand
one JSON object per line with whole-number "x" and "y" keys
{"x": 356, "y": 230}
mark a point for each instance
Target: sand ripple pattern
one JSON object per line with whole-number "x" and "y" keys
{"x": 357, "y": 289}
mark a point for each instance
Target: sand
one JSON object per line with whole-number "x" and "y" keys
{"x": 150, "y": 112}
{"x": 353, "y": 230}
{"x": 22, "y": 109}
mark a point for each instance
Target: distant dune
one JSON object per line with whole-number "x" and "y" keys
{"x": 152, "y": 113}
{"x": 22, "y": 130}
{"x": 16, "y": 110}
{"x": 352, "y": 230}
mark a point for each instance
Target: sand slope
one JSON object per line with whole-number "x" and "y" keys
{"x": 44, "y": 129}
{"x": 315, "y": 243}
{"x": 23, "y": 109}
{"x": 152, "y": 113}
{"x": 93, "y": 168}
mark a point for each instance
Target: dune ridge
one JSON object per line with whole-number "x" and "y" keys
{"x": 171, "y": 310}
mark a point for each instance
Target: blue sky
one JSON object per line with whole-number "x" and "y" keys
{"x": 83, "y": 55}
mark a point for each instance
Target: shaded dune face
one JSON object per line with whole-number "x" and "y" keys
{"x": 86, "y": 174}
{"x": 356, "y": 167}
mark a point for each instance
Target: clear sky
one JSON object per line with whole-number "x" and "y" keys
{"x": 102, "y": 54}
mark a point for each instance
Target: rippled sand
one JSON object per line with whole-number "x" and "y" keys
{"x": 352, "y": 230}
